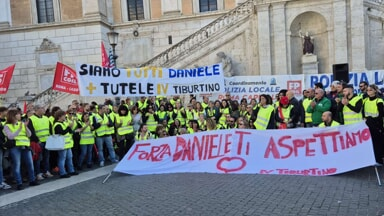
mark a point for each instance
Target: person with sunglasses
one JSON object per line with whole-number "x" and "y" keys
{"x": 363, "y": 87}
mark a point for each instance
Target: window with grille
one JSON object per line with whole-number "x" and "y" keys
{"x": 45, "y": 11}
{"x": 135, "y": 9}
{"x": 207, "y": 5}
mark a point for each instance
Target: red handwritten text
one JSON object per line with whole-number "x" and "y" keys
{"x": 286, "y": 147}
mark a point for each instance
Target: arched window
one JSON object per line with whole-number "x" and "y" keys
{"x": 207, "y": 5}
{"x": 135, "y": 10}
{"x": 45, "y": 11}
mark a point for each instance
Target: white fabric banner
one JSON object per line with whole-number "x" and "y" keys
{"x": 372, "y": 77}
{"x": 251, "y": 87}
{"x": 148, "y": 81}
{"x": 303, "y": 151}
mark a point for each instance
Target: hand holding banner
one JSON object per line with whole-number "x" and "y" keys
{"x": 65, "y": 79}
{"x": 5, "y": 78}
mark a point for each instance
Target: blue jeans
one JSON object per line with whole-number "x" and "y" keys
{"x": 108, "y": 142}
{"x": 85, "y": 150}
{"x": 65, "y": 159}
{"x": 25, "y": 154}
{"x": 43, "y": 156}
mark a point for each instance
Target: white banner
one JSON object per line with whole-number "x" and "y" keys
{"x": 304, "y": 151}
{"x": 372, "y": 77}
{"x": 148, "y": 81}
{"x": 251, "y": 87}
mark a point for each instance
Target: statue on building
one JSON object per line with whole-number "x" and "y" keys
{"x": 227, "y": 64}
{"x": 308, "y": 46}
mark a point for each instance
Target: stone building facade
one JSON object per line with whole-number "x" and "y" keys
{"x": 261, "y": 37}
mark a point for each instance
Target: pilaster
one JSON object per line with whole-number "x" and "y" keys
{"x": 340, "y": 32}
{"x": 279, "y": 39}
{"x": 5, "y": 14}
{"x": 357, "y": 45}
{"x": 264, "y": 37}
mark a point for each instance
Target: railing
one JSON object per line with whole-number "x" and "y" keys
{"x": 47, "y": 96}
{"x": 377, "y": 1}
{"x": 196, "y": 39}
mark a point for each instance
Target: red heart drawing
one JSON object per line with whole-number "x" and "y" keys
{"x": 228, "y": 160}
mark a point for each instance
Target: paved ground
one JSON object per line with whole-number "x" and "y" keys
{"x": 353, "y": 193}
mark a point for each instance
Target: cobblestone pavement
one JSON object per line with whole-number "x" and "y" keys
{"x": 353, "y": 193}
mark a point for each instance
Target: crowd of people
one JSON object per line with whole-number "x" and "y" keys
{"x": 96, "y": 132}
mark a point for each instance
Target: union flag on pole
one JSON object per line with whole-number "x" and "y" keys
{"x": 104, "y": 56}
{"x": 65, "y": 79}
{"x": 5, "y": 78}
{"x": 107, "y": 60}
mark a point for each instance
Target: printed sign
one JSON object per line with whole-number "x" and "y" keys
{"x": 148, "y": 81}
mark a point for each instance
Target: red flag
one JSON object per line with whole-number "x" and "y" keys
{"x": 5, "y": 78}
{"x": 65, "y": 79}
{"x": 104, "y": 56}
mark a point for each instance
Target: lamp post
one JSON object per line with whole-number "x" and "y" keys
{"x": 113, "y": 38}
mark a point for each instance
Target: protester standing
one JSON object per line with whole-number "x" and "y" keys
{"x": 87, "y": 140}
{"x": 373, "y": 113}
{"x": 318, "y": 106}
{"x": 3, "y": 113}
{"x": 101, "y": 124}
{"x": 64, "y": 128}
{"x": 264, "y": 114}
{"x": 351, "y": 106}
{"x": 18, "y": 134}
{"x": 39, "y": 126}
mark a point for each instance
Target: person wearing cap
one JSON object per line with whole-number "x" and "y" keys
{"x": 373, "y": 113}
{"x": 39, "y": 125}
{"x": 350, "y": 107}
{"x": 285, "y": 114}
{"x": 318, "y": 106}
{"x": 327, "y": 120}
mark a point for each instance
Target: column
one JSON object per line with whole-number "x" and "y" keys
{"x": 340, "y": 32}
{"x": 357, "y": 37}
{"x": 264, "y": 38}
{"x": 5, "y": 14}
{"x": 279, "y": 39}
